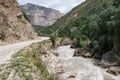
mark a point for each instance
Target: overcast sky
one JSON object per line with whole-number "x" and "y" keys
{"x": 63, "y": 6}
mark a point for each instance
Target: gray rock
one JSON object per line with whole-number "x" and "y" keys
{"x": 74, "y": 44}
{"x": 39, "y": 15}
{"x": 81, "y": 52}
{"x": 110, "y": 59}
{"x": 114, "y": 70}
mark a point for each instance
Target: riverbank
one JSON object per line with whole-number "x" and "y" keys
{"x": 79, "y": 68}
{"x": 40, "y": 62}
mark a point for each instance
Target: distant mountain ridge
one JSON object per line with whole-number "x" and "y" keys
{"x": 39, "y": 15}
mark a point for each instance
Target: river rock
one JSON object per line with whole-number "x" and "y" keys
{"x": 113, "y": 70}
{"x": 96, "y": 55}
{"x": 75, "y": 44}
{"x": 56, "y": 54}
{"x": 72, "y": 75}
{"x": 65, "y": 41}
{"x": 77, "y": 52}
{"x": 103, "y": 65}
{"x": 81, "y": 52}
{"x": 87, "y": 55}
{"x": 111, "y": 58}
{"x": 59, "y": 69}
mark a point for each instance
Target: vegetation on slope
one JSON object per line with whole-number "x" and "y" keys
{"x": 40, "y": 30}
{"x": 97, "y": 21}
{"x": 25, "y": 16}
{"x": 76, "y": 13}
{"x": 101, "y": 26}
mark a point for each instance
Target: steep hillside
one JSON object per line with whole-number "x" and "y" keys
{"x": 77, "y": 12}
{"x": 13, "y": 26}
{"x": 39, "y": 15}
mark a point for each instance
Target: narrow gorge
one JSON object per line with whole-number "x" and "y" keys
{"x": 39, "y": 43}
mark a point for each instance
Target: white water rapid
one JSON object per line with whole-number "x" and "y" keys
{"x": 79, "y": 68}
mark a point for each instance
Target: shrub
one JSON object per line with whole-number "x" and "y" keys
{"x": 53, "y": 39}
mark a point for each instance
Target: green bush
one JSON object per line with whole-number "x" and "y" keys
{"x": 83, "y": 44}
{"x": 53, "y": 39}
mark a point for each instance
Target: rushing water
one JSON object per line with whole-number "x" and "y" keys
{"x": 79, "y": 68}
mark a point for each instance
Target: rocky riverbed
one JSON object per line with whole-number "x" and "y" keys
{"x": 67, "y": 67}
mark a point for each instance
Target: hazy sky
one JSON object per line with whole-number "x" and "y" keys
{"x": 63, "y": 5}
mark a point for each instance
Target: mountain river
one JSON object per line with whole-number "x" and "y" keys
{"x": 75, "y": 68}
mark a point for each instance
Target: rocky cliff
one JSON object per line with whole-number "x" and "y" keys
{"x": 39, "y": 15}
{"x": 13, "y": 26}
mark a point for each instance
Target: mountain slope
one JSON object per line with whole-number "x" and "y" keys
{"x": 95, "y": 26}
{"x": 13, "y": 26}
{"x": 78, "y": 12}
{"x": 39, "y": 15}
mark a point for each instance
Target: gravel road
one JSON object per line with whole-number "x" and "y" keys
{"x": 6, "y": 51}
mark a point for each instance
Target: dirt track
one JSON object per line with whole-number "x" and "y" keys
{"x": 6, "y": 51}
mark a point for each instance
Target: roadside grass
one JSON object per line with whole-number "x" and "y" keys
{"x": 27, "y": 64}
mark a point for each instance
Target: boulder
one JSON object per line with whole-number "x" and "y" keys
{"x": 77, "y": 52}
{"x": 56, "y": 54}
{"x": 103, "y": 65}
{"x": 81, "y": 52}
{"x": 73, "y": 75}
{"x": 59, "y": 69}
{"x": 96, "y": 55}
{"x": 86, "y": 55}
{"x": 74, "y": 44}
{"x": 113, "y": 70}
{"x": 65, "y": 41}
{"x": 111, "y": 59}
